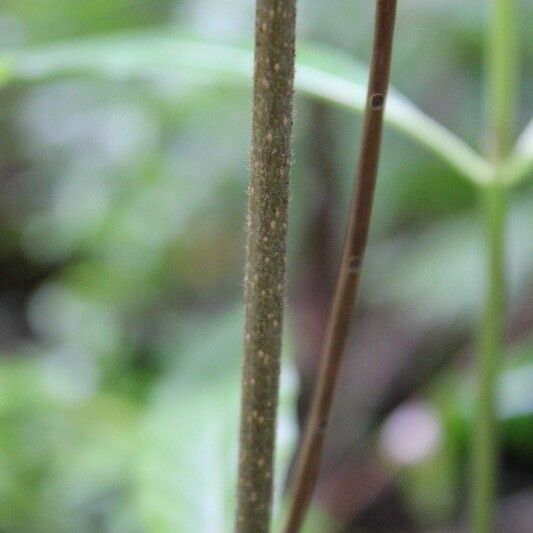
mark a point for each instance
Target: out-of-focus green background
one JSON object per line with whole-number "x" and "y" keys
{"x": 123, "y": 179}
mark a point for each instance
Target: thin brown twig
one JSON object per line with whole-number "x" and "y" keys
{"x": 308, "y": 463}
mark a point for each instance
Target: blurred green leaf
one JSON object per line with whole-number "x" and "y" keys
{"x": 65, "y": 18}
{"x": 455, "y": 394}
{"x": 62, "y": 449}
{"x": 187, "y": 459}
{"x": 520, "y": 163}
{"x": 438, "y": 273}
{"x": 320, "y": 73}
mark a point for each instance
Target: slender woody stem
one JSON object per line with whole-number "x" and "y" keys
{"x": 308, "y": 463}
{"x": 265, "y": 258}
{"x": 501, "y": 98}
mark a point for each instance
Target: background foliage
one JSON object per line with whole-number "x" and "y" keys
{"x": 125, "y": 132}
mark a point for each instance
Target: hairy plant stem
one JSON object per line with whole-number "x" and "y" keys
{"x": 501, "y": 93}
{"x": 265, "y": 258}
{"x": 308, "y": 462}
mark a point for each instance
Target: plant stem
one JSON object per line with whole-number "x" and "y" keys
{"x": 308, "y": 463}
{"x": 265, "y": 258}
{"x": 225, "y": 64}
{"x": 501, "y": 85}
{"x": 490, "y": 352}
{"x": 502, "y": 78}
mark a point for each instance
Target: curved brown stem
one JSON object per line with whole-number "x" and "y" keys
{"x": 308, "y": 463}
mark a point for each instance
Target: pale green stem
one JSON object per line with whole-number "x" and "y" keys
{"x": 143, "y": 53}
{"x": 490, "y": 352}
{"x": 501, "y": 92}
{"x": 229, "y": 64}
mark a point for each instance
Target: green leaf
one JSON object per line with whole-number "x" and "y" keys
{"x": 320, "y": 73}
{"x": 520, "y": 163}
{"x": 187, "y": 461}
{"x": 454, "y": 393}
{"x": 61, "y": 449}
{"x": 439, "y": 274}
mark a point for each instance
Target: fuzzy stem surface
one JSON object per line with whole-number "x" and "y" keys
{"x": 268, "y": 197}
